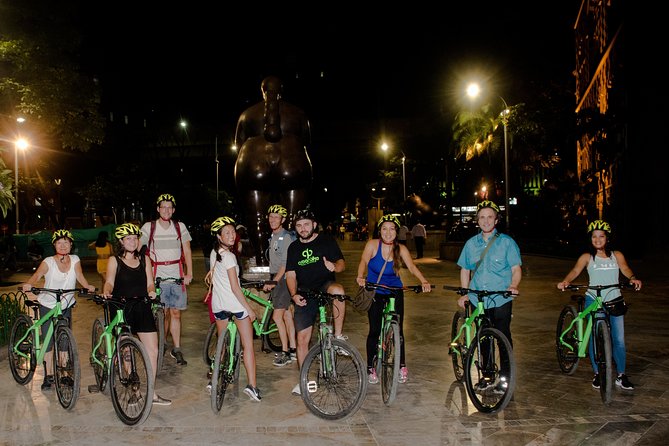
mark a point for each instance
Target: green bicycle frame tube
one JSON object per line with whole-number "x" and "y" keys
{"x": 40, "y": 347}
{"x": 583, "y": 334}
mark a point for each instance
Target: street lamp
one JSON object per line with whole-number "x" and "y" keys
{"x": 385, "y": 147}
{"x": 21, "y": 144}
{"x": 473, "y": 91}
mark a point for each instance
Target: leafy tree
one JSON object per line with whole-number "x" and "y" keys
{"x": 6, "y": 192}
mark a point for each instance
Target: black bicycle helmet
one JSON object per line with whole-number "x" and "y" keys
{"x": 61, "y": 233}
{"x": 217, "y": 224}
{"x": 487, "y": 204}
{"x": 601, "y": 225}
{"x": 304, "y": 214}
{"x": 277, "y": 209}
{"x": 127, "y": 229}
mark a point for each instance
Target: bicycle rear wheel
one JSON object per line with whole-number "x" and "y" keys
{"x": 22, "y": 367}
{"x": 66, "y": 367}
{"x": 226, "y": 369}
{"x": 337, "y": 393}
{"x": 209, "y": 347}
{"x": 131, "y": 381}
{"x": 458, "y": 348}
{"x": 99, "y": 357}
{"x": 567, "y": 355}
{"x": 159, "y": 316}
{"x": 390, "y": 362}
{"x": 490, "y": 371}
{"x": 604, "y": 361}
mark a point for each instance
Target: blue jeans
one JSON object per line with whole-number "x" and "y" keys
{"x": 617, "y": 324}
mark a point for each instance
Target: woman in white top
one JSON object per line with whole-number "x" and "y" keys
{"x": 60, "y": 271}
{"x": 228, "y": 299}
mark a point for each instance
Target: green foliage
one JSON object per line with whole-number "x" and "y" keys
{"x": 38, "y": 47}
{"x": 6, "y": 188}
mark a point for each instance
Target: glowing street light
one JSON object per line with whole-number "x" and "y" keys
{"x": 473, "y": 90}
{"x": 19, "y": 144}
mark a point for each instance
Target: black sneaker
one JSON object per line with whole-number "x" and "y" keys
{"x": 595, "y": 381}
{"x": 48, "y": 382}
{"x": 282, "y": 360}
{"x": 176, "y": 354}
{"x": 624, "y": 383}
{"x": 252, "y": 392}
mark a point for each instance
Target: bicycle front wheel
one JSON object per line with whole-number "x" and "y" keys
{"x": 490, "y": 371}
{"x": 131, "y": 381}
{"x": 391, "y": 349}
{"x": 22, "y": 365}
{"x": 567, "y": 355}
{"x": 159, "y": 317}
{"x": 226, "y": 369}
{"x": 209, "y": 347}
{"x": 338, "y": 391}
{"x": 99, "y": 357}
{"x": 604, "y": 361}
{"x": 458, "y": 348}
{"x": 66, "y": 367}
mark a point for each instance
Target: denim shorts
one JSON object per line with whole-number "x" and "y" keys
{"x": 173, "y": 295}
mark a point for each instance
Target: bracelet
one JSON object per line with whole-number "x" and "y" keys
{"x": 633, "y": 277}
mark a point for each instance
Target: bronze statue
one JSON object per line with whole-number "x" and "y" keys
{"x": 273, "y": 165}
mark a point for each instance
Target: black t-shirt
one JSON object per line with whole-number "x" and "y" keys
{"x": 306, "y": 259}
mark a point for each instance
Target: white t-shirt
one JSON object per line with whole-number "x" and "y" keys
{"x": 58, "y": 280}
{"x": 166, "y": 247}
{"x": 222, "y": 296}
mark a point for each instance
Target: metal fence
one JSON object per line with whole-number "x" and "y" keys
{"x": 11, "y": 305}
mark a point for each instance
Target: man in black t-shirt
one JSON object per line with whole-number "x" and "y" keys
{"x": 312, "y": 261}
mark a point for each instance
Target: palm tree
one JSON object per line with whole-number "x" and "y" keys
{"x": 7, "y": 198}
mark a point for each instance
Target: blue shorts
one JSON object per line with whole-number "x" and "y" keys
{"x": 67, "y": 314}
{"x": 173, "y": 295}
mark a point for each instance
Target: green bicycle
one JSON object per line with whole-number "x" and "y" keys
{"x": 27, "y": 349}
{"x": 120, "y": 363}
{"x": 333, "y": 377}
{"x": 389, "y": 347}
{"x": 264, "y": 327}
{"x": 482, "y": 355}
{"x": 572, "y": 337}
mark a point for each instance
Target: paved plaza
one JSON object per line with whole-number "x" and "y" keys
{"x": 549, "y": 407}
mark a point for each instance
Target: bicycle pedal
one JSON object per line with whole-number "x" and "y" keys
{"x": 93, "y": 388}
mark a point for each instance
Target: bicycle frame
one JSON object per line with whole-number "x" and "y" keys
{"x": 584, "y": 334}
{"x": 109, "y": 336}
{"x": 475, "y": 319}
{"x": 269, "y": 308}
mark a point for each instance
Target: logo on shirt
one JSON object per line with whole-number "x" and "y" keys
{"x": 309, "y": 258}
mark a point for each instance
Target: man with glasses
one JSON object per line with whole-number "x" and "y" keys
{"x": 168, "y": 246}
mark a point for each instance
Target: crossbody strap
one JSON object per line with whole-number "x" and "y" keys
{"x": 485, "y": 251}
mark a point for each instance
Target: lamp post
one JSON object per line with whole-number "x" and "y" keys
{"x": 385, "y": 147}
{"x": 21, "y": 144}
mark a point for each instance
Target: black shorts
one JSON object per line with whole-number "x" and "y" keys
{"x": 139, "y": 316}
{"x": 306, "y": 316}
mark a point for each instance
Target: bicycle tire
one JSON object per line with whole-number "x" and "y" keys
{"x": 272, "y": 338}
{"x": 23, "y": 368}
{"x": 390, "y": 362}
{"x": 159, "y": 317}
{"x": 131, "y": 381}
{"x": 458, "y": 348}
{"x": 603, "y": 353}
{"x": 99, "y": 356}
{"x": 222, "y": 377}
{"x": 209, "y": 346}
{"x": 66, "y": 367}
{"x": 489, "y": 389}
{"x": 567, "y": 358}
{"x": 334, "y": 397}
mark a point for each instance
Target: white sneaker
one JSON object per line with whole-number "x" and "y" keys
{"x": 341, "y": 351}
{"x": 296, "y": 390}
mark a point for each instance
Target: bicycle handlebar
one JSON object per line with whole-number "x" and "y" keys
{"x": 599, "y": 287}
{"x": 257, "y": 284}
{"x": 314, "y": 294}
{"x": 481, "y": 293}
{"x": 102, "y": 300}
{"x": 395, "y": 289}
{"x": 58, "y": 292}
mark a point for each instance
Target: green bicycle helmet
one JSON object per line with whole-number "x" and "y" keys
{"x": 61, "y": 233}
{"x": 277, "y": 209}
{"x": 127, "y": 229}
{"x": 601, "y": 225}
{"x": 487, "y": 204}
{"x": 166, "y": 197}
{"x": 217, "y": 224}
{"x": 389, "y": 217}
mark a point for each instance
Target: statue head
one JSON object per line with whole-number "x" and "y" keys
{"x": 271, "y": 87}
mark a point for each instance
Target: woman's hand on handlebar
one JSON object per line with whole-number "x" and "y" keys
{"x": 562, "y": 285}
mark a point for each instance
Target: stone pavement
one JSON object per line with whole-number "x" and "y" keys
{"x": 549, "y": 407}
